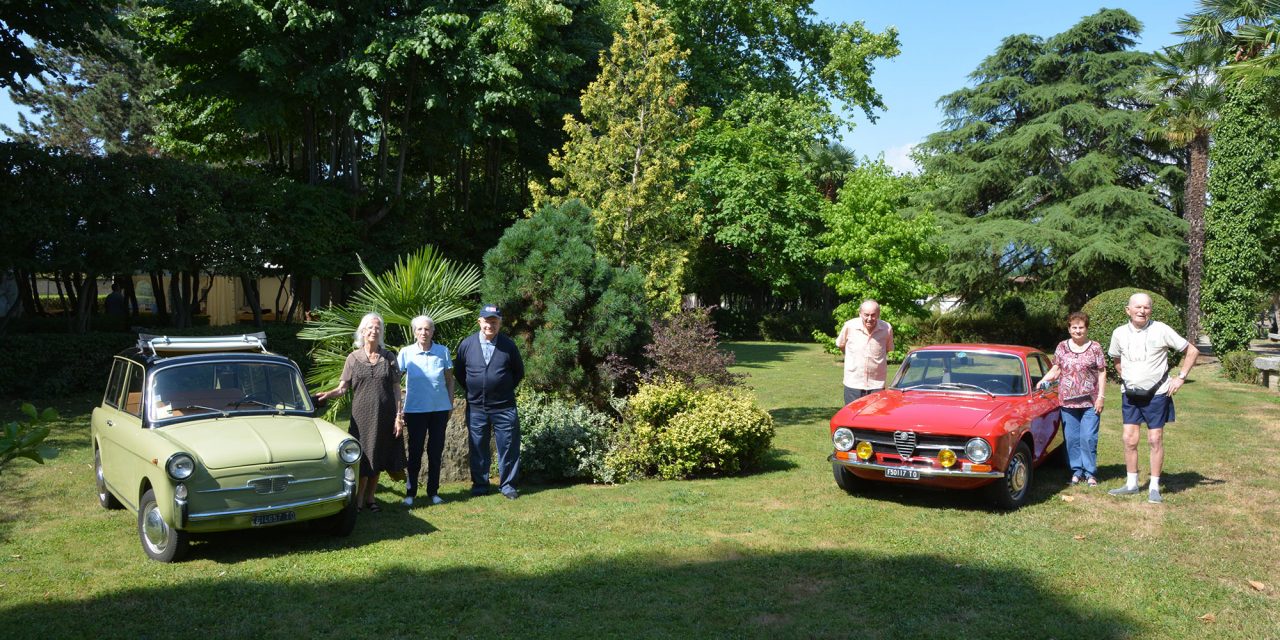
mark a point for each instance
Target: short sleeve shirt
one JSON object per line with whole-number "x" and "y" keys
{"x": 1144, "y": 353}
{"x": 1078, "y": 384}
{"x": 425, "y": 371}
{"x": 866, "y": 355}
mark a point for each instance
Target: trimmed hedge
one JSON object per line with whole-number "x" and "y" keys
{"x": 1106, "y": 312}
{"x": 40, "y": 366}
{"x": 675, "y": 432}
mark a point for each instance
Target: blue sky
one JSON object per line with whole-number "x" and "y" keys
{"x": 942, "y": 42}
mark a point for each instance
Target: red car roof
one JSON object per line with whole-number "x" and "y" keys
{"x": 1011, "y": 349}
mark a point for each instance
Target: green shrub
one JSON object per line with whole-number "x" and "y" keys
{"x": 792, "y": 326}
{"x": 675, "y": 432}
{"x": 25, "y": 438}
{"x": 1106, "y": 312}
{"x": 561, "y": 440}
{"x": 1238, "y": 367}
{"x": 79, "y": 363}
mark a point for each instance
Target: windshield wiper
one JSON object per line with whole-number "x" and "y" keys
{"x": 200, "y": 406}
{"x": 965, "y": 385}
{"x": 237, "y": 403}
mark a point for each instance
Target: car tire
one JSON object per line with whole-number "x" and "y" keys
{"x": 105, "y": 497}
{"x": 342, "y": 523}
{"x": 1011, "y": 491}
{"x": 845, "y": 479}
{"x": 160, "y": 541}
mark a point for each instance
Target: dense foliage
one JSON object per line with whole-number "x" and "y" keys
{"x": 685, "y": 349}
{"x": 1106, "y": 312}
{"x": 1237, "y": 366}
{"x": 1042, "y": 174}
{"x": 566, "y": 306}
{"x": 673, "y": 432}
{"x": 561, "y": 440}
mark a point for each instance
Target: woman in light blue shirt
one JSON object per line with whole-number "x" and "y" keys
{"x": 427, "y": 403}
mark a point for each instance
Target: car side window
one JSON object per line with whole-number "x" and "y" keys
{"x": 133, "y": 393}
{"x": 115, "y": 383}
{"x": 1037, "y": 367}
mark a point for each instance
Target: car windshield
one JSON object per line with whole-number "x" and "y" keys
{"x": 226, "y": 388}
{"x": 997, "y": 374}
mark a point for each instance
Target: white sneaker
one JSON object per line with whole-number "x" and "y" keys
{"x": 437, "y": 500}
{"x": 408, "y": 502}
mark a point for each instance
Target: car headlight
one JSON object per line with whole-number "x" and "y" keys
{"x": 843, "y": 439}
{"x": 349, "y": 451}
{"x": 977, "y": 450}
{"x": 180, "y": 466}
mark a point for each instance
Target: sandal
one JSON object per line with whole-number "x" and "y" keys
{"x": 1075, "y": 480}
{"x": 373, "y": 507}
{"x": 1093, "y": 482}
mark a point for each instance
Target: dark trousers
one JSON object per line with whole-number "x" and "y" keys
{"x": 425, "y": 428}
{"x": 505, "y": 424}
{"x": 851, "y": 394}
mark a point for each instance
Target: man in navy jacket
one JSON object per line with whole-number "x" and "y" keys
{"x": 487, "y": 365}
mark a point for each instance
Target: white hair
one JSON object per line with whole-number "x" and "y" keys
{"x": 364, "y": 324}
{"x": 418, "y": 321}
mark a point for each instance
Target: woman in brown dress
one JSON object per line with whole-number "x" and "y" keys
{"x": 374, "y": 380}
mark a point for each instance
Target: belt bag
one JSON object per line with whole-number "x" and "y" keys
{"x": 1143, "y": 393}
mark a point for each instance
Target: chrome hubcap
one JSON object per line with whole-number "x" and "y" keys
{"x": 102, "y": 481}
{"x": 155, "y": 529}
{"x": 1017, "y": 476}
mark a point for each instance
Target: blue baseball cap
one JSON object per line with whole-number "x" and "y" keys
{"x": 490, "y": 311}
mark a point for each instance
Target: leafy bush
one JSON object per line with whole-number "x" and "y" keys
{"x": 1106, "y": 312}
{"x": 1238, "y": 367}
{"x": 792, "y": 326}
{"x": 562, "y": 301}
{"x": 685, "y": 349}
{"x": 675, "y": 432}
{"x": 79, "y": 363}
{"x": 25, "y": 439}
{"x": 563, "y": 440}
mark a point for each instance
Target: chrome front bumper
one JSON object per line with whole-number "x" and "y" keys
{"x": 925, "y": 472}
{"x": 181, "y": 507}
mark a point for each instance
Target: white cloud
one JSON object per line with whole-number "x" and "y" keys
{"x": 899, "y": 159}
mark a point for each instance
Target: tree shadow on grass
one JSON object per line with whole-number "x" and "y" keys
{"x": 732, "y": 592}
{"x": 757, "y": 355}
{"x": 232, "y": 547}
{"x": 802, "y": 416}
{"x": 1045, "y": 485}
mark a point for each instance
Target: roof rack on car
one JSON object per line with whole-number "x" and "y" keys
{"x": 202, "y": 344}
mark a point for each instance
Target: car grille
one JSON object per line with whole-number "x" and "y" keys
{"x": 274, "y": 484}
{"x": 907, "y": 443}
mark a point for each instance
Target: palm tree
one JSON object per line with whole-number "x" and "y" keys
{"x": 420, "y": 283}
{"x": 1186, "y": 96}
{"x": 828, "y": 165}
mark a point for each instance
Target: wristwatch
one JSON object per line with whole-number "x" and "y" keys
{"x": 1182, "y": 376}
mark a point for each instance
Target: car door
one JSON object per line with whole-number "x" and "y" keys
{"x": 1045, "y": 422}
{"x": 118, "y": 434}
{"x": 108, "y": 418}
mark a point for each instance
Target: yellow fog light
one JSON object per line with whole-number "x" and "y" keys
{"x": 947, "y": 458}
{"x": 865, "y": 450}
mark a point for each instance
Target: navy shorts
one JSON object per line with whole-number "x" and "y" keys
{"x": 1154, "y": 411}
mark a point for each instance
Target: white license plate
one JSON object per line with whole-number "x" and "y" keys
{"x": 907, "y": 474}
{"x": 274, "y": 518}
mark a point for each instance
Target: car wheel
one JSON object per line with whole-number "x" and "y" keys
{"x": 845, "y": 478}
{"x": 1011, "y": 491}
{"x": 342, "y": 523}
{"x": 159, "y": 540}
{"x": 105, "y": 498}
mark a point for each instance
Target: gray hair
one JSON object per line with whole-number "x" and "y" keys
{"x": 418, "y": 320}
{"x": 358, "y": 338}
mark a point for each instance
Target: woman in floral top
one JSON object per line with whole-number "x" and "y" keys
{"x": 1082, "y": 373}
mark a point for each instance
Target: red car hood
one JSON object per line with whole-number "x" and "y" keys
{"x": 925, "y": 411}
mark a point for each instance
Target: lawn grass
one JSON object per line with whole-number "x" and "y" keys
{"x": 779, "y": 553}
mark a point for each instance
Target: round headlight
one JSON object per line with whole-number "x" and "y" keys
{"x": 977, "y": 450}
{"x": 349, "y": 451}
{"x": 947, "y": 458}
{"x": 843, "y": 439}
{"x": 180, "y": 466}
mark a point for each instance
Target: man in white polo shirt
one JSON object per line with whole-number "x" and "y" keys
{"x": 866, "y": 342}
{"x": 1141, "y": 349}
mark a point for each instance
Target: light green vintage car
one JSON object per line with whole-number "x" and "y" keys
{"x": 214, "y": 434}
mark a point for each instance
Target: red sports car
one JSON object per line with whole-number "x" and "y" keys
{"x": 959, "y": 416}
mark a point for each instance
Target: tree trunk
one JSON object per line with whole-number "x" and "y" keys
{"x": 157, "y": 292}
{"x": 87, "y": 301}
{"x": 130, "y": 294}
{"x": 1197, "y": 180}
{"x": 250, "y": 286}
{"x": 27, "y": 293}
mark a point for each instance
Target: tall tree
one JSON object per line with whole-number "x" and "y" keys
{"x": 1186, "y": 99}
{"x": 828, "y": 165}
{"x": 57, "y": 23}
{"x": 626, "y": 156}
{"x": 1043, "y": 174}
{"x": 1241, "y": 222}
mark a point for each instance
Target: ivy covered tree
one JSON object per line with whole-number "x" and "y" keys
{"x": 875, "y": 251}
{"x": 626, "y": 157}
{"x": 1042, "y": 174}
{"x": 565, "y": 303}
